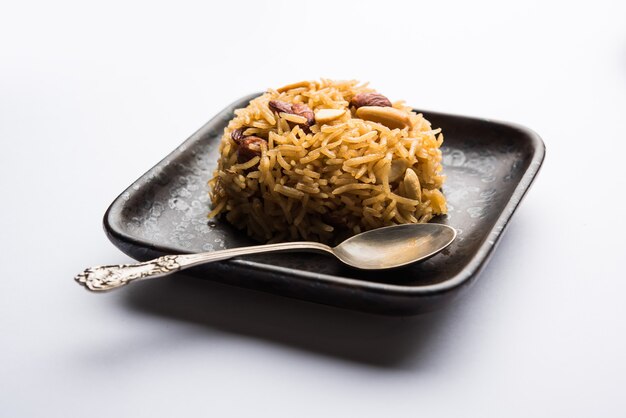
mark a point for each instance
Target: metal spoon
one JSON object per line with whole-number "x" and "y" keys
{"x": 381, "y": 248}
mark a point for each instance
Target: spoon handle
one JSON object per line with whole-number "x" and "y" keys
{"x": 103, "y": 278}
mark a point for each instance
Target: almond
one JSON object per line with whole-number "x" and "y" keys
{"x": 299, "y": 109}
{"x": 293, "y": 86}
{"x": 326, "y": 115}
{"x": 304, "y": 111}
{"x": 412, "y": 187}
{"x": 278, "y": 106}
{"x": 249, "y": 148}
{"x": 388, "y": 116}
{"x": 397, "y": 169}
{"x": 237, "y": 135}
{"x": 370, "y": 99}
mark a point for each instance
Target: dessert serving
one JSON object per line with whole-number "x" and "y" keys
{"x": 323, "y": 160}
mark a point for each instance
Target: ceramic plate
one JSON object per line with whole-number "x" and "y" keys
{"x": 489, "y": 167}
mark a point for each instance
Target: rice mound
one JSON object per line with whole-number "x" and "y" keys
{"x": 282, "y": 176}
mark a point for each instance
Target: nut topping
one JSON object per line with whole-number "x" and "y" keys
{"x": 412, "y": 187}
{"x": 249, "y": 148}
{"x": 293, "y": 86}
{"x": 370, "y": 99}
{"x": 237, "y": 135}
{"x": 304, "y": 111}
{"x": 388, "y": 116}
{"x": 326, "y": 115}
{"x": 278, "y": 106}
{"x": 297, "y": 109}
{"x": 397, "y": 169}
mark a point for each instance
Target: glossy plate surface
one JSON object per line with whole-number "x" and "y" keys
{"x": 489, "y": 167}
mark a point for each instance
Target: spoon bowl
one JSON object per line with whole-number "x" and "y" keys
{"x": 394, "y": 246}
{"x": 378, "y": 249}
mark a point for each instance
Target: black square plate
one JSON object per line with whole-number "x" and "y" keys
{"x": 489, "y": 167}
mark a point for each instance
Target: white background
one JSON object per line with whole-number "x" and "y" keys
{"x": 92, "y": 95}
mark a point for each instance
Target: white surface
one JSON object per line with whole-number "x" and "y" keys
{"x": 91, "y": 96}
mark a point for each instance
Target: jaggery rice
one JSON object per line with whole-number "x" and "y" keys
{"x": 322, "y": 160}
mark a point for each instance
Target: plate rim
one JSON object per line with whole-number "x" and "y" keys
{"x": 471, "y": 269}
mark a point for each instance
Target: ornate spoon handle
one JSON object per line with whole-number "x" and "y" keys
{"x": 103, "y": 278}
